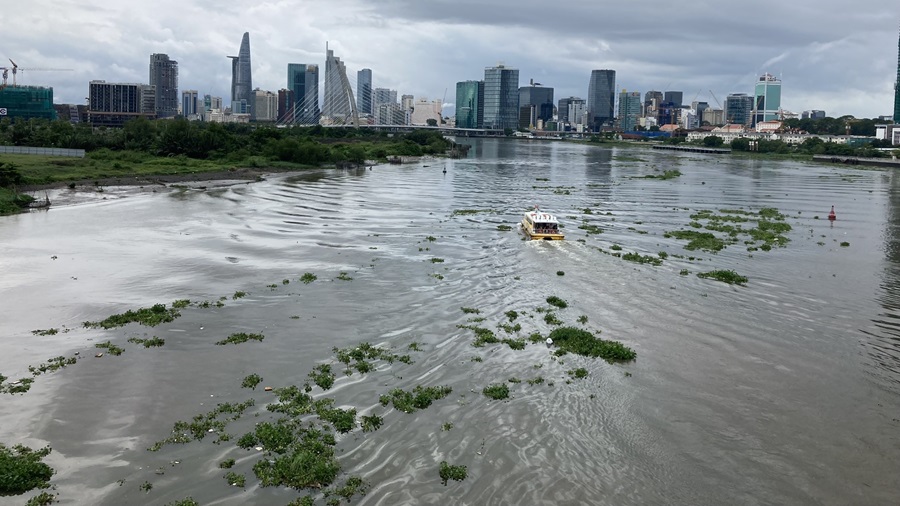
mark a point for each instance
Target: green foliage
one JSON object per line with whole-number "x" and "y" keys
{"x": 553, "y": 300}
{"x": 42, "y": 499}
{"x": 110, "y": 348}
{"x": 52, "y": 365}
{"x": 845, "y": 244}
{"x": 560, "y": 273}
{"x": 699, "y": 240}
{"x": 148, "y": 343}
{"x": 343, "y": 276}
{"x": 322, "y": 376}
{"x": 437, "y": 260}
{"x": 226, "y": 464}
{"x": 308, "y": 278}
{"x": 669, "y": 174}
{"x": 235, "y": 479}
{"x": 579, "y": 373}
{"x": 239, "y": 295}
{"x": 10, "y": 175}
{"x": 497, "y": 391}
{"x": 725, "y": 276}
{"x": 188, "y": 501}
{"x": 582, "y": 342}
{"x": 713, "y": 141}
{"x": 551, "y": 319}
{"x": 240, "y": 337}
{"x": 307, "y": 462}
{"x": 419, "y": 398}
{"x": 22, "y": 469}
{"x": 251, "y": 381}
{"x": 181, "y": 303}
{"x": 371, "y": 422}
{"x": 470, "y": 310}
{"x": 353, "y": 486}
{"x": 449, "y": 472}
{"x": 642, "y": 259}
{"x": 591, "y": 229}
{"x": 150, "y": 317}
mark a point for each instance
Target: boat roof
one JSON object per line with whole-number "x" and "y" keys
{"x": 541, "y": 217}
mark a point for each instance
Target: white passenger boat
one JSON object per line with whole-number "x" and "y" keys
{"x": 541, "y": 226}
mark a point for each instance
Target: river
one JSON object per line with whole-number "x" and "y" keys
{"x": 783, "y": 391}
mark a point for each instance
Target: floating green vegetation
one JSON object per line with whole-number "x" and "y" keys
{"x": 52, "y": 365}
{"x": 615, "y": 247}
{"x": 146, "y": 487}
{"x": 470, "y": 310}
{"x": 308, "y": 278}
{"x": 512, "y": 315}
{"x": 306, "y": 461}
{"x": 698, "y": 240}
{"x": 504, "y": 228}
{"x": 663, "y": 255}
{"x": 536, "y": 337}
{"x": 497, "y": 391}
{"x": 845, "y": 244}
{"x": 542, "y": 179}
{"x": 148, "y": 343}
{"x": 515, "y": 344}
{"x": 591, "y": 229}
{"x": 188, "y": 501}
{"x": 240, "y": 337}
{"x": 22, "y": 469}
{"x": 551, "y": 319}
{"x": 226, "y": 464}
{"x": 357, "y": 357}
{"x": 583, "y": 319}
{"x": 419, "y": 398}
{"x": 582, "y": 342}
{"x": 536, "y": 381}
{"x": 343, "y": 276}
{"x": 17, "y": 387}
{"x": 449, "y": 472}
{"x": 110, "y": 348}
{"x": 642, "y": 259}
{"x": 150, "y": 317}
{"x": 235, "y": 479}
{"x": 509, "y": 329}
{"x": 285, "y": 281}
{"x": 272, "y": 286}
{"x": 343, "y": 420}
{"x": 560, "y": 273}
{"x": 430, "y": 238}
{"x": 181, "y": 303}
{"x": 437, "y": 276}
{"x": 466, "y": 212}
{"x": 514, "y": 380}
{"x": 684, "y": 272}
{"x": 414, "y": 346}
{"x": 353, "y": 486}
{"x": 669, "y": 174}
{"x": 42, "y": 499}
{"x": 579, "y": 373}
{"x": 322, "y": 376}
{"x": 436, "y": 260}
{"x": 553, "y": 300}
{"x": 447, "y": 427}
{"x": 725, "y": 276}
{"x": 562, "y": 190}
{"x": 371, "y": 423}
{"x": 239, "y": 295}
{"x": 204, "y": 424}
{"x": 251, "y": 381}
{"x": 476, "y": 358}
{"x": 47, "y": 332}
{"x": 482, "y": 335}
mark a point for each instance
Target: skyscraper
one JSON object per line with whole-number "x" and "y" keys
{"x": 629, "y": 110}
{"x": 164, "y": 75}
{"x": 501, "y": 97}
{"x": 364, "y": 91}
{"x": 601, "y": 98}
{"x": 303, "y": 81}
{"x": 286, "y": 105}
{"x": 336, "y": 104}
{"x": 241, "y": 80}
{"x": 768, "y": 99}
{"x": 469, "y": 104}
{"x": 539, "y": 97}
{"x": 676, "y": 98}
{"x": 897, "y": 87}
{"x": 189, "y": 99}
{"x": 739, "y": 109}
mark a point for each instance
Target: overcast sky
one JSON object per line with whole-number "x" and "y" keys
{"x": 834, "y": 55}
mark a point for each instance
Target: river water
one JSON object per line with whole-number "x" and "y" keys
{"x": 784, "y": 391}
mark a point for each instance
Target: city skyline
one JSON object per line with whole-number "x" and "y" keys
{"x": 830, "y": 56}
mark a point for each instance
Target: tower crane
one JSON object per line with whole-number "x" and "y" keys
{"x": 15, "y": 70}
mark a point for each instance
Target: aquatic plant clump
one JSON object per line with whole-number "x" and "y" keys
{"x": 725, "y": 276}
{"x": 153, "y": 342}
{"x": 308, "y": 278}
{"x": 705, "y": 241}
{"x": 251, "y": 381}
{"x": 150, "y": 317}
{"x": 553, "y": 300}
{"x": 497, "y": 392}
{"x": 669, "y": 174}
{"x": 307, "y": 463}
{"x": 110, "y": 348}
{"x": 450, "y": 472}
{"x": 582, "y": 342}
{"x": 22, "y": 469}
{"x": 642, "y": 259}
{"x": 322, "y": 376}
{"x": 419, "y": 398}
{"x": 240, "y": 337}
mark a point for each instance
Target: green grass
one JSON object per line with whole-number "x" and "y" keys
{"x": 582, "y": 342}
{"x": 450, "y": 472}
{"x": 240, "y": 337}
{"x": 725, "y": 276}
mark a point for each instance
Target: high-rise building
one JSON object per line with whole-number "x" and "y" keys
{"x": 27, "y": 102}
{"x": 715, "y": 117}
{"x": 164, "y": 76}
{"x": 211, "y": 103}
{"x": 601, "y": 98}
{"x": 739, "y": 109}
{"x": 286, "y": 104}
{"x": 814, "y": 114}
{"x": 303, "y": 81}
{"x": 501, "y": 97}
{"x": 562, "y": 110}
{"x": 364, "y": 91}
{"x": 406, "y": 101}
{"x": 652, "y": 100}
{"x": 698, "y": 108}
{"x": 241, "y": 79}
{"x": 540, "y": 98}
{"x": 112, "y": 104}
{"x": 189, "y": 99}
{"x": 265, "y": 106}
{"x": 675, "y": 97}
{"x": 576, "y": 113}
{"x": 336, "y": 104}
{"x": 469, "y": 104}
{"x": 768, "y": 99}
{"x": 384, "y": 96}
{"x": 897, "y": 87}
{"x": 630, "y": 106}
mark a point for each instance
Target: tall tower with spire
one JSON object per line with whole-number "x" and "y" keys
{"x": 241, "y": 80}
{"x": 897, "y": 87}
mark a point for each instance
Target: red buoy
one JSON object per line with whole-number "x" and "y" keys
{"x": 831, "y": 215}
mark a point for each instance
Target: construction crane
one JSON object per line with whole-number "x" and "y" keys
{"x": 15, "y": 70}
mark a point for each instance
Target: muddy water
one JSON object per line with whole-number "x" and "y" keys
{"x": 786, "y": 391}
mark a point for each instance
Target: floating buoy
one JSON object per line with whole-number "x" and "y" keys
{"x": 831, "y": 215}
